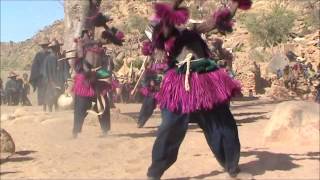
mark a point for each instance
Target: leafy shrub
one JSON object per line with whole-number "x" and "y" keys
{"x": 260, "y": 56}
{"x": 195, "y": 13}
{"x": 270, "y": 29}
{"x": 137, "y": 63}
{"x": 201, "y": 12}
{"x": 136, "y": 22}
{"x": 313, "y": 15}
{"x": 118, "y": 64}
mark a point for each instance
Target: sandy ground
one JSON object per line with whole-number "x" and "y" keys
{"x": 45, "y": 149}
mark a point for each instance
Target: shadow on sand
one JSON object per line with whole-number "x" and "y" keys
{"x": 270, "y": 161}
{"x": 201, "y": 176}
{"x": 244, "y": 98}
{"x": 138, "y": 135}
{"x": 250, "y": 120}
{"x": 9, "y": 172}
{"x": 248, "y": 113}
{"x": 265, "y": 161}
{"x": 135, "y": 115}
{"x": 256, "y": 103}
{"x": 18, "y": 156}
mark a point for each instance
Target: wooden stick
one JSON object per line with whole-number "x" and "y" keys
{"x": 108, "y": 80}
{"x": 186, "y": 80}
{"x": 143, "y": 65}
{"x": 66, "y": 58}
{"x": 140, "y": 78}
{"x": 73, "y": 50}
{"x": 96, "y": 69}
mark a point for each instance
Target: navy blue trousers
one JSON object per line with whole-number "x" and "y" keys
{"x": 81, "y": 105}
{"x": 219, "y": 128}
{"x": 146, "y": 111}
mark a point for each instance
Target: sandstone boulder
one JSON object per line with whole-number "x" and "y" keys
{"x": 294, "y": 121}
{"x": 6, "y": 142}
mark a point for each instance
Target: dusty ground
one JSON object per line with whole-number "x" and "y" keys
{"x": 46, "y": 150}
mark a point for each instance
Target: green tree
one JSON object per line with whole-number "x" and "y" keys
{"x": 313, "y": 14}
{"x": 136, "y": 22}
{"x": 270, "y": 29}
{"x": 137, "y": 63}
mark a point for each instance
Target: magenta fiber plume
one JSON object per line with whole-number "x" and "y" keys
{"x": 244, "y": 4}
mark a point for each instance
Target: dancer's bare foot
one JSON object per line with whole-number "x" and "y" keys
{"x": 153, "y": 178}
{"x": 238, "y": 175}
{"x": 241, "y": 176}
{"x": 103, "y": 135}
{"x": 139, "y": 125}
{"x": 74, "y": 135}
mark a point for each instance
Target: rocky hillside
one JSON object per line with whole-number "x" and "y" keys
{"x": 19, "y": 55}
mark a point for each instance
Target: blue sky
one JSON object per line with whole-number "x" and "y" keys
{"x": 21, "y": 19}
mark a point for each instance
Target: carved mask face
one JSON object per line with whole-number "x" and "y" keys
{"x": 85, "y": 37}
{"x": 90, "y": 34}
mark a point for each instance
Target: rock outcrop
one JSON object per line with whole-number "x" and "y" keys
{"x": 7, "y": 144}
{"x": 296, "y": 122}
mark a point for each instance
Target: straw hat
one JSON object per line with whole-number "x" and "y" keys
{"x": 12, "y": 74}
{"x": 69, "y": 55}
{"x": 55, "y": 43}
{"x": 44, "y": 41}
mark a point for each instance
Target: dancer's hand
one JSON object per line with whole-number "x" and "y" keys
{"x": 132, "y": 92}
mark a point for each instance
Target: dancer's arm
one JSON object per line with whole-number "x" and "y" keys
{"x": 177, "y": 3}
{"x": 222, "y": 17}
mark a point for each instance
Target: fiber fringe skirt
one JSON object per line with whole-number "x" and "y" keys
{"x": 207, "y": 90}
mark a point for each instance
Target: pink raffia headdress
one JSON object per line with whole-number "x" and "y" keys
{"x": 223, "y": 19}
{"x": 223, "y": 16}
{"x": 169, "y": 14}
{"x": 120, "y": 35}
{"x": 244, "y": 4}
{"x": 147, "y": 48}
